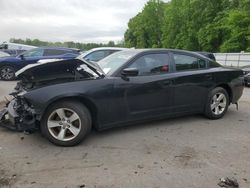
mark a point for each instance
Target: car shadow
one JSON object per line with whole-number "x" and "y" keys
{"x": 96, "y": 136}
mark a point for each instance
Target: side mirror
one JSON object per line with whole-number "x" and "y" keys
{"x": 130, "y": 72}
{"x": 21, "y": 56}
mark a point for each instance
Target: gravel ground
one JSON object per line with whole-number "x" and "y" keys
{"x": 5, "y": 89}
{"x": 184, "y": 152}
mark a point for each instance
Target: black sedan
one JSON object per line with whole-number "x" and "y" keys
{"x": 65, "y": 99}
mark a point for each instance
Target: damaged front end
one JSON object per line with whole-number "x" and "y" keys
{"x": 18, "y": 115}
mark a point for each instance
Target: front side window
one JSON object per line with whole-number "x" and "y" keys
{"x": 115, "y": 61}
{"x": 152, "y": 64}
{"x": 186, "y": 62}
{"x": 34, "y": 53}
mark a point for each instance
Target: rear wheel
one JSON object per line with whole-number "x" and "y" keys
{"x": 7, "y": 73}
{"x": 66, "y": 123}
{"x": 217, "y": 103}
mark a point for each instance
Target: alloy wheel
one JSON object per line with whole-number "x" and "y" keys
{"x": 64, "y": 124}
{"x": 7, "y": 73}
{"x": 218, "y": 103}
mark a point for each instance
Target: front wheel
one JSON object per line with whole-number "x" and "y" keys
{"x": 7, "y": 73}
{"x": 217, "y": 103}
{"x": 66, "y": 123}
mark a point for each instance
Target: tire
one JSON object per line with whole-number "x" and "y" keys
{"x": 217, "y": 103}
{"x": 7, "y": 73}
{"x": 66, "y": 123}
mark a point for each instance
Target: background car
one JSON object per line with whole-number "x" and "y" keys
{"x": 246, "y": 72}
{"x": 97, "y": 54}
{"x": 3, "y": 54}
{"x": 127, "y": 87}
{"x": 9, "y": 65}
{"x": 15, "y": 49}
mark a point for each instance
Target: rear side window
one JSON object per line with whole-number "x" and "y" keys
{"x": 54, "y": 52}
{"x": 186, "y": 62}
{"x": 213, "y": 64}
{"x": 151, "y": 64}
{"x": 113, "y": 51}
{"x": 97, "y": 56}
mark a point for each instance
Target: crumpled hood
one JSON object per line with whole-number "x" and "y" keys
{"x": 55, "y": 68}
{"x": 56, "y": 71}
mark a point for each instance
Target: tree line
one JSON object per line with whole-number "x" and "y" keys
{"x": 197, "y": 25}
{"x": 69, "y": 44}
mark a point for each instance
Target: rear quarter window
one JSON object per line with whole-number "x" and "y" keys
{"x": 213, "y": 64}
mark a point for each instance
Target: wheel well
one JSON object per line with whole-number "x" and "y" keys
{"x": 7, "y": 65}
{"x": 228, "y": 89}
{"x": 89, "y": 105}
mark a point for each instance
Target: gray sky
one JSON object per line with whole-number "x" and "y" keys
{"x": 66, "y": 20}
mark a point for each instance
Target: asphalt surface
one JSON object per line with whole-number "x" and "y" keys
{"x": 5, "y": 89}
{"x": 183, "y": 152}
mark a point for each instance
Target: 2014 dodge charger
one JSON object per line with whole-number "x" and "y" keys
{"x": 65, "y": 99}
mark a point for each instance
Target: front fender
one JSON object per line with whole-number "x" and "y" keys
{"x": 91, "y": 90}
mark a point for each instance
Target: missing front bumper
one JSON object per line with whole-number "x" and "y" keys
{"x": 5, "y": 121}
{"x": 10, "y": 119}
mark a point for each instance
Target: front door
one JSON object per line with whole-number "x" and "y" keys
{"x": 150, "y": 93}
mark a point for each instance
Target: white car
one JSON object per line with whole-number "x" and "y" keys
{"x": 3, "y": 54}
{"x": 15, "y": 46}
{"x": 97, "y": 54}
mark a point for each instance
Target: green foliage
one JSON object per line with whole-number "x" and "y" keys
{"x": 145, "y": 28}
{"x": 69, "y": 44}
{"x": 199, "y": 25}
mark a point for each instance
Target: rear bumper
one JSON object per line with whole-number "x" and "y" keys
{"x": 237, "y": 87}
{"x": 11, "y": 119}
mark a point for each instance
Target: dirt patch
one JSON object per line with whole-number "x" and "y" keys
{"x": 189, "y": 158}
{"x": 186, "y": 155}
{"x": 5, "y": 179}
{"x": 2, "y": 104}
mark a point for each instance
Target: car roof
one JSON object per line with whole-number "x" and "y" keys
{"x": 246, "y": 68}
{"x": 84, "y": 54}
{"x": 108, "y": 48}
{"x": 169, "y": 50}
{"x": 59, "y": 48}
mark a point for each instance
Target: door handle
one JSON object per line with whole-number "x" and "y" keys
{"x": 208, "y": 77}
{"x": 167, "y": 82}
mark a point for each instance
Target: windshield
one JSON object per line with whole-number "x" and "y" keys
{"x": 113, "y": 62}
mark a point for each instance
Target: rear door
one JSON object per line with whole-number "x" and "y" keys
{"x": 192, "y": 81}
